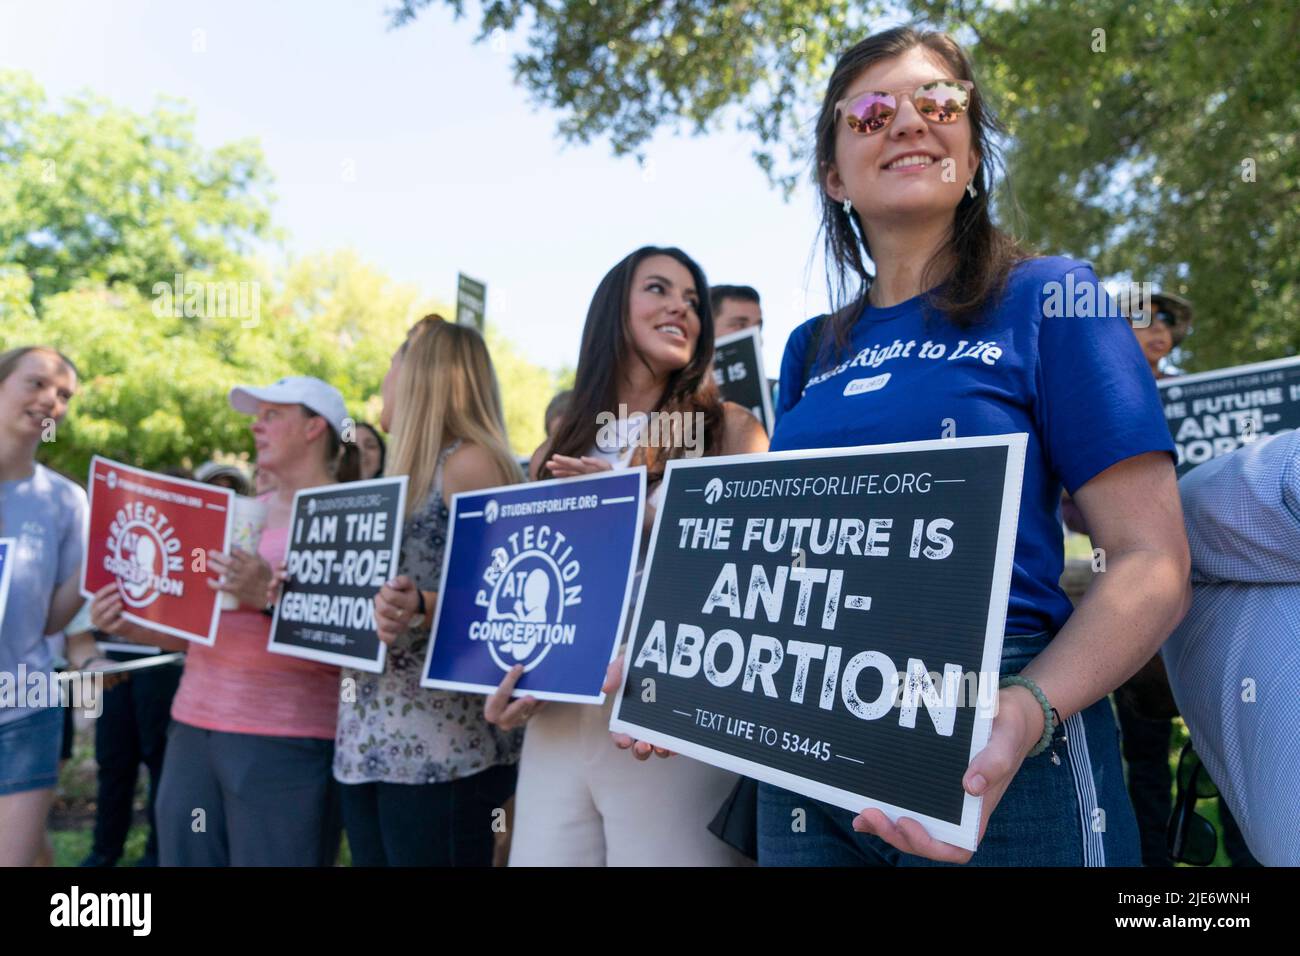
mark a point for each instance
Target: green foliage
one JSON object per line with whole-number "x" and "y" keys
{"x": 95, "y": 192}
{"x": 623, "y": 68}
{"x": 1138, "y": 157}
{"x": 1168, "y": 157}
{"x": 525, "y": 391}
{"x": 92, "y": 267}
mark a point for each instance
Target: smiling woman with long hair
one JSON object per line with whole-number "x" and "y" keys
{"x": 647, "y": 350}
{"x": 904, "y": 160}
{"x": 44, "y": 514}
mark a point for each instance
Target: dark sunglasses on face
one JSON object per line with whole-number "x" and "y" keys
{"x": 941, "y": 102}
{"x": 1191, "y": 838}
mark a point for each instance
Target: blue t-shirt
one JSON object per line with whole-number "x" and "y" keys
{"x": 1077, "y": 386}
{"x": 46, "y": 514}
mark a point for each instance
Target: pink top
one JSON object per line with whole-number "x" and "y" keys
{"x": 239, "y": 687}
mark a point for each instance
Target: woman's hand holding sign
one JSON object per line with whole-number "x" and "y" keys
{"x": 508, "y": 714}
{"x": 613, "y": 685}
{"x": 396, "y": 604}
{"x": 563, "y": 466}
{"x": 106, "y": 610}
{"x": 244, "y": 575}
{"x": 1017, "y": 728}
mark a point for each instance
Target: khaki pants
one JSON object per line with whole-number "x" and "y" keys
{"x": 581, "y": 801}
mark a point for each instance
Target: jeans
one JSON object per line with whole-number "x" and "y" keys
{"x": 29, "y": 751}
{"x": 1075, "y": 813}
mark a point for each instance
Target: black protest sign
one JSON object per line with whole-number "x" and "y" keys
{"x": 343, "y": 546}
{"x": 1213, "y": 413}
{"x": 831, "y": 621}
{"x": 738, "y": 370}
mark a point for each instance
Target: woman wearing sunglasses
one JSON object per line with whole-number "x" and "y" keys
{"x": 903, "y": 156}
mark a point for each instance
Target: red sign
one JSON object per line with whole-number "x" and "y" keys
{"x": 151, "y": 535}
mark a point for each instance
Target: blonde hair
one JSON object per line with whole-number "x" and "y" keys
{"x": 446, "y": 390}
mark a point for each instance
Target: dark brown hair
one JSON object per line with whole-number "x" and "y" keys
{"x": 343, "y": 458}
{"x": 982, "y": 253}
{"x": 607, "y": 348}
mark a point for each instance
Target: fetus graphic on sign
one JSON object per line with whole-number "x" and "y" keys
{"x": 525, "y": 594}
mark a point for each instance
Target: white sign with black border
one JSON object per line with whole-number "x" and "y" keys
{"x": 902, "y": 568}
{"x": 1214, "y": 413}
{"x": 738, "y": 370}
{"x": 345, "y": 542}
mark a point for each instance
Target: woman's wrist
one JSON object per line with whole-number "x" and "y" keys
{"x": 1032, "y": 718}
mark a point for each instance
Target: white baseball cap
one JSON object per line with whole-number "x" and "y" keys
{"x": 321, "y": 397}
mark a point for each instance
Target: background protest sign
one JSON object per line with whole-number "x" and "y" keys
{"x": 7, "y": 546}
{"x": 831, "y": 621}
{"x": 738, "y": 370}
{"x": 540, "y": 575}
{"x": 151, "y": 534}
{"x": 1214, "y": 413}
{"x": 344, "y": 544}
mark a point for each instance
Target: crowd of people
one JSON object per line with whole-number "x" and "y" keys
{"x": 259, "y": 759}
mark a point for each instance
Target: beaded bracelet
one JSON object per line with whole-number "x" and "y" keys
{"x": 1049, "y": 715}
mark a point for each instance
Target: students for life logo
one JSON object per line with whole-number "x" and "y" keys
{"x": 528, "y": 585}
{"x": 713, "y": 490}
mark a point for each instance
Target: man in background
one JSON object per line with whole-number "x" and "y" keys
{"x": 735, "y": 308}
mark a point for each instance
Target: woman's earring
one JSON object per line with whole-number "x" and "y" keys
{"x": 848, "y": 206}
{"x": 970, "y": 188}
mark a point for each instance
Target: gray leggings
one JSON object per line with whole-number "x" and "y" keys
{"x": 246, "y": 800}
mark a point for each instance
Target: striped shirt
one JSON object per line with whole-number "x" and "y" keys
{"x": 1234, "y": 662}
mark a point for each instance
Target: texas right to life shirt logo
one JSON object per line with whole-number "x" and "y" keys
{"x": 527, "y": 585}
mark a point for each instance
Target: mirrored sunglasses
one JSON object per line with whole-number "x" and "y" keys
{"x": 941, "y": 102}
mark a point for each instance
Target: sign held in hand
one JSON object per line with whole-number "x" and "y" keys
{"x": 151, "y": 534}
{"x": 344, "y": 544}
{"x": 831, "y": 621}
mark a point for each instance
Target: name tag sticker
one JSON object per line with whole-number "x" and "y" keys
{"x": 860, "y": 385}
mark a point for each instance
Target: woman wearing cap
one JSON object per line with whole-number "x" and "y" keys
{"x": 422, "y": 771}
{"x": 647, "y": 349}
{"x": 44, "y": 513}
{"x": 247, "y": 777}
{"x": 223, "y": 475}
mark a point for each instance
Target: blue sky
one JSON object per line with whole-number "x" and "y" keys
{"x": 415, "y": 148}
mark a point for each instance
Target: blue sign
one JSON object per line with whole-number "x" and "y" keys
{"x": 6, "y": 551}
{"x": 540, "y": 575}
